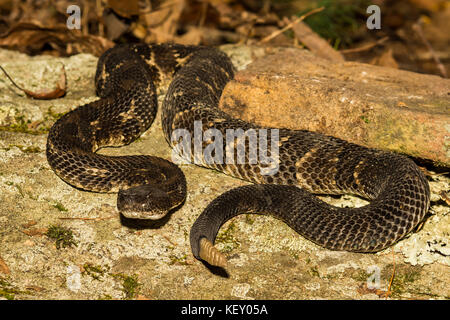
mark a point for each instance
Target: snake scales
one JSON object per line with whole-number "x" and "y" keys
{"x": 148, "y": 187}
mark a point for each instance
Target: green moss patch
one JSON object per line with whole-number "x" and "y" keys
{"x": 63, "y": 236}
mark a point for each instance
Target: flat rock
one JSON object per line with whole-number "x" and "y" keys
{"x": 377, "y": 107}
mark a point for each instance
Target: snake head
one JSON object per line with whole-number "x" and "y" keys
{"x": 144, "y": 202}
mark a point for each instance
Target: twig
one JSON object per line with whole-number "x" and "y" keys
{"x": 290, "y": 25}
{"x": 388, "y": 292}
{"x": 80, "y": 218}
{"x": 170, "y": 241}
{"x": 203, "y": 11}
{"x": 418, "y": 29}
{"x": 365, "y": 47}
{"x": 101, "y": 24}
{"x": 4, "y": 267}
{"x": 85, "y": 18}
{"x": 10, "y": 79}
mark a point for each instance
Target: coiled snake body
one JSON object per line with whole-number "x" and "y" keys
{"x": 148, "y": 187}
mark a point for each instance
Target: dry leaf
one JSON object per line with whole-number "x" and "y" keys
{"x": 32, "y": 37}
{"x": 35, "y": 288}
{"x": 193, "y": 36}
{"x": 45, "y": 94}
{"x": 4, "y": 267}
{"x": 385, "y": 60}
{"x": 35, "y": 231}
{"x": 162, "y": 23}
{"x": 431, "y": 5}
{"x": 445, "y": 196}
{"x": 142, "y": 297}
{"x": 29, "y": 224}
{"x": 114, "y": 26}
{"x": 125, "y": 9}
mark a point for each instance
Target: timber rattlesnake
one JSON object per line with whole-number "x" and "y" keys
{"x": 148, "y": 187}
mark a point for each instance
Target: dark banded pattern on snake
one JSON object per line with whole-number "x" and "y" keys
{"x": 309, "y": 162}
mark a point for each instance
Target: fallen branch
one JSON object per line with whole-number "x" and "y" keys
{"x": 365, "y": 47}
{"x": 290, "y": 25}
{"x": 316, "y": 43}
{"x": 418, "y": 29}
